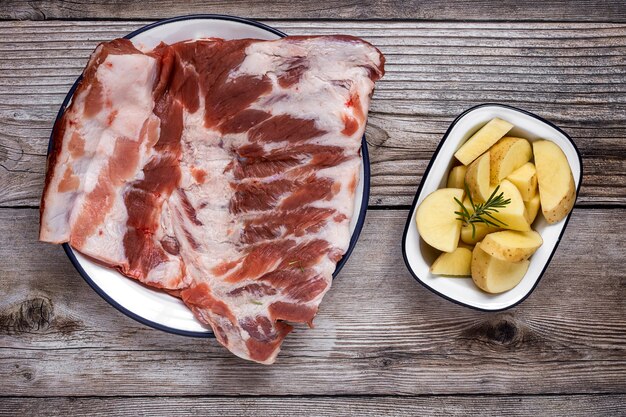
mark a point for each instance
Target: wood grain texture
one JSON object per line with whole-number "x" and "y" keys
{"x": 571, "y": 74}
{"x": 530, "y": 406}
{"x": 504, "y": 10}
{"x": 378, "y": 332}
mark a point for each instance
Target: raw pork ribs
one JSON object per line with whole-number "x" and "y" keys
{"x": 223, "y": 172}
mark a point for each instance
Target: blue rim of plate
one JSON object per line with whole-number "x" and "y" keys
{"x": 427, "y": 171}
{"x": 209, "y": 334}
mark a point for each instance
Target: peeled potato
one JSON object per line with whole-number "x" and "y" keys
{"x": 525, "y": 179}
{"x": 456, "y": 263}
{"x": 507, "y": 155}
{"x": 494, "y": 275}
{"x": 511, "y": 246}
{"x": 482, "y": 230}
{"x": 466, "y": 246}
{"x": 456, "y": 178}
{"x": 514, "y": 213}
{"x": 532, "y": 208}
{"x": 477, "y": 178}
{"x": 557, "y": 189}
{"x": 436, "y": 221}
{"x": 482, "y": 140}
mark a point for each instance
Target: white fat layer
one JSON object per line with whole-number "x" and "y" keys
{"x": 88, "y": 167}
{"x": 214, "y": 238}
{"x": 55, "y": 220}
{"x": 109, "y": 237}
{"x": 127, "y": 85}
{"x": 335, "y": 69}
{"x": 343, "y": 174}
{"x": 127, "y": 82}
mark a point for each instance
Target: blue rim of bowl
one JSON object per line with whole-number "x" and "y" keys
{"x": 208, "y": 334}
{"x": 419, "y": 191}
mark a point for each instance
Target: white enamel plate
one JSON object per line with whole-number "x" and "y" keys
{"x": 155, "y": 308}
{"x": 418, "y": 256}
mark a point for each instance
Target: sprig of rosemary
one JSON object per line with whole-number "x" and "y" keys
{"x": 482, "y": 212}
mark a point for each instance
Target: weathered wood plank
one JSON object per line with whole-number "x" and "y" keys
{"x": 378, "y": 331}
{"x": 526, "y": 406}
{"x": 572, "y": 74}
{"x": 508, "y": 10}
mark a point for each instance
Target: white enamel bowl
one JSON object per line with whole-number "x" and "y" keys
{"x": 155, "y": 308}
{"x": 418, "y": 256}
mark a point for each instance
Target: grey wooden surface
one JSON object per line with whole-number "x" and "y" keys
{"x": 496, "y": 406}
{"x": 382, "y": 344}
{"x": 570, "y": 73}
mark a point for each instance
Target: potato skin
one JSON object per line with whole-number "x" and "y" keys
{"x": 557, "y": 189}
{"x": 510, "y": 252}
{"x": 561, "y": 210}
{"x": 494, "y": 275}
{"x": 478, "y": 184}
{"x": 479, "y": 265}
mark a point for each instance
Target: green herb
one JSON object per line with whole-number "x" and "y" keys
{"x": 298, "y": 263}
{"x": 256, "y": 302}
{"x": 482, "y": 212}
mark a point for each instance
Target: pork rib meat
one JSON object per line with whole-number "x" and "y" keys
{"x": 222, "y": 171}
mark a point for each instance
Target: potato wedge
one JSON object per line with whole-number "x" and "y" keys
{"x": 493, "y": 275}
{"x": 511, "y": 245}
{"x": 465, "y": 245}
{"x": 557, "y": 189}
{"x": 482, "y": 230}
{"x": 525, "y": 179}
{"x": 514, "y": 214}
{"x": 456, "y": 178}
{"x": 482, "y": 140}
{"x": 477, "y": 179}
{"x": 436, "y": 221}
{"x": 456, "y": 263}
{"x": 532, "y": 208}
{"x": 507, "y": 155}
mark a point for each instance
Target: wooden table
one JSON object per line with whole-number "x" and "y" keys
{"x": 382, "y": 343}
